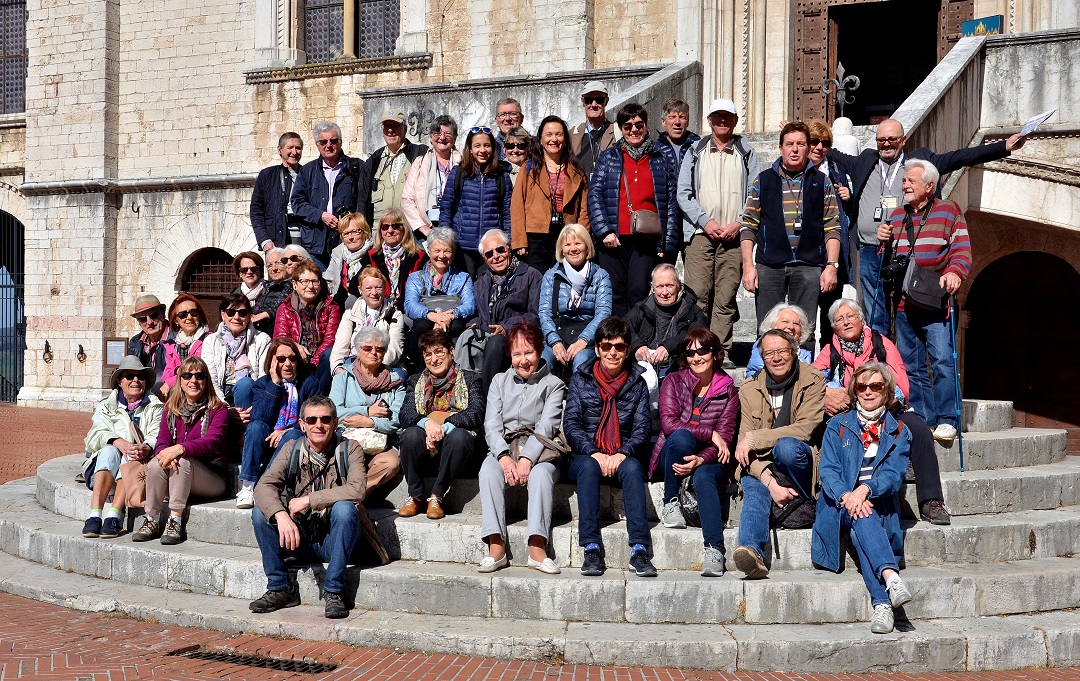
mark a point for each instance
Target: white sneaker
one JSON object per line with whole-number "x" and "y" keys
{"x": 945, "y": 432}
{"x": 882, "y": 622}
{"x": 672, "y": 515}
{"x": 245, "y": 498}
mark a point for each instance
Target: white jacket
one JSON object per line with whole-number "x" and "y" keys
{"x": 213, "y": 353}
{"x": 110, "y": 421}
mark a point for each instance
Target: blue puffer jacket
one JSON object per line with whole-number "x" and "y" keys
{"x": 604, "y": 197}
{"x": 478, "y": 207}
{"x": 269, "y": 397}
{"x": 455, "y": 283}
{"x": 595, "y": 301}
{"x": 584, "y": 404}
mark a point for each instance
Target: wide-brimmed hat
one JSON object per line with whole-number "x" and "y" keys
{"x": 145, "y": 303}
{"x": 133, "y": 363}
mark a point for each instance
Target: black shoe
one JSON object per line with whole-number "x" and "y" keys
{"x": 641, "y": 565}
{"x": 111, "y": 528}
{"x": 276, "y": 600}
{"x": 933, "y": 511}
{"x": 92, "y": 527}
{"x": 594, "y": 564}
{"x": 335, "y": 606}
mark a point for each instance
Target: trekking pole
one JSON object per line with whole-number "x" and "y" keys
{"x": 954, "y": 309}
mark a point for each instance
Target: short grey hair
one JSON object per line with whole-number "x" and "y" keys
{"x": 791, "y": 341}
{"x": 276, "y": 250}
{"x": 508, "y": 100}
{"x": 326, "y": 126}
{"x": 443, "y": 235}
{"x": 770, "y": 319}
{"x": 853, "y": 305}
{"x": 318, "y": 401}
{"x": 297, "y": 249}
{"x": 930, "y": 174}
{"x": 371, "y": 333}
{"x": 494, "y": 232}
{"x": 665, "y": 267}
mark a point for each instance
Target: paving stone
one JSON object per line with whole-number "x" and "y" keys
{"x": 527, "y": 594}
{"x": 684, "y": 597}
{"x": 432, "y": 589}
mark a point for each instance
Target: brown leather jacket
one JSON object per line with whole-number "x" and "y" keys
{"x": 530, "y": 206}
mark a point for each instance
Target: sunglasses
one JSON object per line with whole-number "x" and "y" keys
{"x": 594, "y": 100}
{"x": 325, "y": 419}
{"x": 888, "y": 140}
{"x": 153, "y": 316}
{"x": 275, "y": 266}
{"x": 617, "y": 347}
{"x": 292, "y": 258}
{"x": 197, "y": 375}
{"x": 330, "y": 142}
{"x": 281, "y": 359}
{"x": 814, "y": 141}
{"x": 636, "y": 125}
{"x": 132, "y": 377}
{"x": 876, "y": 386}
{"x": 515, "y": 146}
{"x": 392, "y": 226}
{"x": 184, "y": 314}
{"x": 377, "y": 349}
{"x": 248, "y": 270}
{"x": 230, "y": 313}
{"x": 699, "y": 351}
{"x": 480, "y": 128}
{"x": 492, "y": 251}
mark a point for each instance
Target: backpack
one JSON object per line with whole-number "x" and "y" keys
{"x": 341, "y": 457}
{"x": 836, "y": 357}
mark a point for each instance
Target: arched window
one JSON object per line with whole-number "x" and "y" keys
{"x": 208, "y": 275}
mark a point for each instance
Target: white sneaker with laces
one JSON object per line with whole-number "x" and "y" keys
{"x": 245, "y": 498}
{"x": 882, "y": 622}
{"x": 945, "y": 432}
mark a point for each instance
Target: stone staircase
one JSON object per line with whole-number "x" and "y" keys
{"x": 992, "y": 591}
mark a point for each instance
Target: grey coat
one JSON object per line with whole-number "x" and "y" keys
{"x": 513, "y": 403}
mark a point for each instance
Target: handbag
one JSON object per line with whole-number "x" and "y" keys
{"x": 688, "y": 501}
{"x": 642, "y": 222}
{"x": 554, "y": 448}
{"x": 372, "y": 441}
{"x": 440, "y": 302}
{"x": 921, "y": 286}
{"x": 568, "y": 327}
{"x": 797, "y": 514}
{"x": 469, "y": 349}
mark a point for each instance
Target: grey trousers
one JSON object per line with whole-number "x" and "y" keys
{"x": 493, "y": 499}
{"x": 192, "y": 477}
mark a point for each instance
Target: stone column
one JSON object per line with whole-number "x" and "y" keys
{"x": 274, "y": 31}
{"x": 413, "y": 38}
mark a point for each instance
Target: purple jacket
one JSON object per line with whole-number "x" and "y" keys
{"x": 719, "y": 413}
{"x": 197, "y": 443}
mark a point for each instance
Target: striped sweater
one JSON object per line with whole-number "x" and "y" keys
{"x": 941, "y": 244}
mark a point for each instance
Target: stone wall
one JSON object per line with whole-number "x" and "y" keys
{"x": 633, "y": 32}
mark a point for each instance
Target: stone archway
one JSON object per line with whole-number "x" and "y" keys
{"x": 1021, "y": 339}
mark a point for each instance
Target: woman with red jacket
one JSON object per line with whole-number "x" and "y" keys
{"x": 310, "y": 319}
{"x": 699, "y": 407}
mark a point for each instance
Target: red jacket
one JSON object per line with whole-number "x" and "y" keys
{"x": 719, "y": 413}
{"x": 202, "y": 440}
{"x": 327, "y": 318}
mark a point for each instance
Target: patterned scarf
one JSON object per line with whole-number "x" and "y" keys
{"x": 290, "y": 411}
{"x": 235, "y": 348}
{"x": 448, "y": 393}
{"x": 394, "y": 257}
{"x": 317, "y": 463}
{"x": 310, "y": 337}
{"x": 854, "y": 347}
{"x": 189, "y": 413}
{"x": 635, "y": 153}
{"x": 498, "y": 287}
{"x": 436, "y": 279}
{"x": 872, "y": 422}
{"x": 184, "y": 341}
{"x": 608, "y": 436}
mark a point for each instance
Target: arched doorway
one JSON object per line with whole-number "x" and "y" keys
{"x": 1021, "y": 340}
{"x": 12, "y": 308}
{"x": 208, "y": 275}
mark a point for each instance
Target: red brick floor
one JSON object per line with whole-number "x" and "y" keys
{"x": 40, "y": 641}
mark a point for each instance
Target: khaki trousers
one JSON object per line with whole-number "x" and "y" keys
{"x": 714, "y": 271}
{"x": 191, "y": 477}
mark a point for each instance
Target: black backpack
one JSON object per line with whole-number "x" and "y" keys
{"x": 836, "y": 358}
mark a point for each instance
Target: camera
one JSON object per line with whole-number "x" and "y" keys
{"x": 557, "y": 222}
{"x": 894, "y": 270}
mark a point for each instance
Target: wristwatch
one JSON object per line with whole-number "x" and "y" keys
{"x": 834, "y": 264}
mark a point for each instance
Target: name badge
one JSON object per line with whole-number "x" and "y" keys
{"x": 889, "y": 203}
{"x": 797, "y": 225}
{"x": 878, "y": 212}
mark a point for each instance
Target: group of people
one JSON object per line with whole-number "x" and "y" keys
{"x": 519, "y": 300}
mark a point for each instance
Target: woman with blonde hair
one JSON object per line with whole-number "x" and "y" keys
{"x": 347, "y": 259}
{"x": 396, "y": 254}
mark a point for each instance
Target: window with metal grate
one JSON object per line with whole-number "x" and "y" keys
{"x": 12, "y": 56}
{"x": 324, "y": 30}
{"x": 380, "y": 24}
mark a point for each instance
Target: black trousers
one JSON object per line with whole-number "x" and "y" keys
{"x": 541, "y": 251}
{"x": 923, "y": 458}
{"x": 454, "y": 453}
{"x": 496, "y": 360}
{"x": 630, "y": 267}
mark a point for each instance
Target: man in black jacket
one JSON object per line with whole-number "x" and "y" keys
{"x": 659, "y": 323}
{"x": 325, "y": 190}
{"x": 272, "y": 218}
{"x": 382, "y": 178}
{"x": 875, "y": 177}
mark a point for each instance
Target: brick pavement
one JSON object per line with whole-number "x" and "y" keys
{"x": 41, "y": 641}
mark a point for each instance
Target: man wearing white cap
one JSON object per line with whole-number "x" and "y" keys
{"x": 713, "y": 183}
{"x": 597, "y": 133}
{"x": 382, "y": 179}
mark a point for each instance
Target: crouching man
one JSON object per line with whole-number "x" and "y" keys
{"x": 309, "y": 508}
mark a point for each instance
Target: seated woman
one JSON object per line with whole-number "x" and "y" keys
{"x": 785, "y": 317}
{"x": 277, "y": 288}
{"x": 507, "y": 291}
{"x": 235, "y": 352}
{"x": 311, "y": 319}
{"x": 124, "y": 428}
{"x": 187, "y": 320}
{"x": 248, "y": 267}
{"x": 438, "y": 296}
{"x": 443, "y": 411}
{"x": 191, "y": 436}
{"x": 574, "y": 296}
{"x": 347, "y": 260}
{"x": 368, "y": 396}
{"x": 372, "y": 310}
{"x": 861, "y": 471}
{"x": 275, "y": 409}
{"x": 608, "y": 425}
{"x": 293, "y": 256}
{"x": 524, "y": 404}
{"x": 396, "y": 254}
{"x": 699, "y": 408}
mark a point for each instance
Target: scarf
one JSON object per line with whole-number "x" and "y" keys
{"x": 394, "y": 257}
{"x": 235, "y": 348}
{"x": 290, "y": 411}
{"x": 150, "y": 347}
{"x": 854, "y": 347}
{"x": 310, "y": 337}
{"x": 184, "y": 341}
{"x": 252, "y": 294}
{"x": 786, "y": 385}
{"x": 317, "y": 463}
{"x": 635, "y": 153}
{"x": 190, "y": 413}
{"x": 577, "y": 280}
{"x": 871, "y": 422}
{"x": 352, "y": 261}
{"x": 436, "y": 279}
{"x": 499, "y": 288}
{"x": 441, "y": 394}
{"x": 366, "y": 316}
{"x": 608, "y": 436}
{"x": 382, "y": 382}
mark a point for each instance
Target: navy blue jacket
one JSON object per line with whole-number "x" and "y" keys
{"x": 663, "y": 143}
{"x": 478, "y": 208}
{"x": 584, "y": 404}
{"x": 604, "y": 197}
{"x": 521, "y": 302}
{"x": 267, "y": 211}
{"x": 269, "y": 397}
{"x": 309, "y": 197}
{"x": 774, "y": 247}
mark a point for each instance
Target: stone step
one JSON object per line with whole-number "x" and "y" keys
{"x": 950, "y": 644}
{"x": 987, "y": 416}
{"x": 1009, "y": 448}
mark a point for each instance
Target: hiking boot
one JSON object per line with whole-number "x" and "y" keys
{"x": 593, "y": 565}
{"x": 898, "y": 593}
{"x": 173, "y": 534}
{"x": 673, "y": 516}
{"x": 882, "y": 622}
{"x": 149, "y": 530}
{"x": 641, "y": 565}
{"x": 748, "y": 562}
{"x": 111, "y": 528}
{"x": 335, "y": 606}
{"x": 713, "y": 563}
{"x": 934, "y": 511}
{"x": 276, "y": 600}
{"x": 92, "y": 527}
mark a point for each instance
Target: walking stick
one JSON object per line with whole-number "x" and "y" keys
{"x": 954, "y": 309}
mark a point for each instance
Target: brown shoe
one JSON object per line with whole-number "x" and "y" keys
{"x": 410, "y": 508}
{"x": 434, "y": 508}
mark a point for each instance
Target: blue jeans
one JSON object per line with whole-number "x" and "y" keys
{"x": 585, "y": 472}
{"x": 108, "y": 458}
{"x": 334, "y": 550}
{"x": 875, "y": 553}
{"x": 708, "y": 479}
{"x": 579, "y": 359}
{"x": 243, "y": 393}
{"x": 877, "y": 310}
{"x": 796, "y": 460}
{"x": 919, "y": 333}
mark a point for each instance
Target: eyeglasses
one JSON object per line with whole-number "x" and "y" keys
{"x": 876, "y": 386}
{"x": 292, "y": 258}
{"x": 281, "y": 359}
{"x": 152, "y": 317}
{"x": 492, "y": 251}
{"x": 699, "y": 351}
{"x": 634, "y": 125}
{"x": 507, "y": 114}
{"x": 376, "y": 349}
{"x": 889, "y": 140}
{"x": 594, "y": 100}
{"x": 232, "y": 312}
{"x": 480, "y": 128}
{"x": 308, "y": 282}
{"x": 515, "y": 146}
{"x": 782, "y": 352}
{"x": 197, "y": 375}
{"x": 442, "y": 136}
{"x": 275, "y": 266}
{"x": 351, "y": 232}
{"x": 435, "y": 352}
{"x": 392, "y": 226}
{"x": 333, "y": 142}
{"x": 850, "y": 317}
{"x": 606, "y": 347}
{"x": 132, "y": 377}
{"x": 325, "y": 419}
{"x": 814, "y": 141}
{"x": 248, "y": 270}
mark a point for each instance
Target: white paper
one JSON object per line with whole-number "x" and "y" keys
{"x": 1035, "y": 121}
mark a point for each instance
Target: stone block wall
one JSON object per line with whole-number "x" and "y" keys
{"x": 633, "y": 31}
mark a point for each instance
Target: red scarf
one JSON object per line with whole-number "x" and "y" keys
{"x": 608, "y": 436}
{"x": 870, "y": 433}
